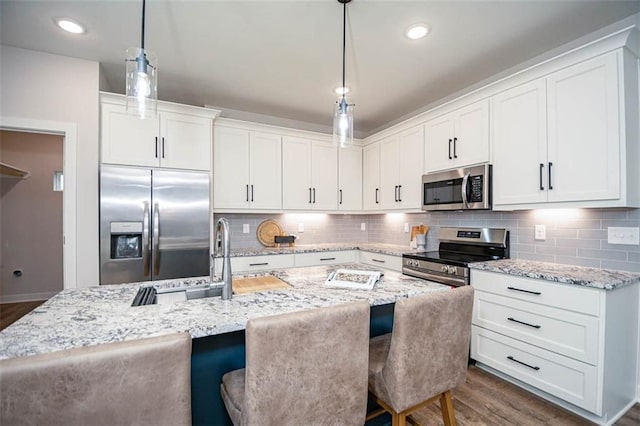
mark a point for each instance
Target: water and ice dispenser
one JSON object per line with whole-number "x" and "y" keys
{"x": 126, "y": 240}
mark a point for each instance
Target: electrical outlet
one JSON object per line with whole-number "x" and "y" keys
{"x": 540, "y": 233}
{"x": 363, "y": 226}
{"x": 406, "y": 227}
{"x": 301, "y": 227}
{"x": 245, "y": 228}
{"x": 620, "y": 235}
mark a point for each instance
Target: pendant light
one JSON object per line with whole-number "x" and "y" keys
{"x": 141, "y": 79}
{"x": 343, "y": 117}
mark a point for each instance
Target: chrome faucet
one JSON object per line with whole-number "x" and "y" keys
{"x": 221, "y": 242}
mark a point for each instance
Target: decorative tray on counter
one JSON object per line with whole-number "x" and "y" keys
{"x": 354, "y": 279}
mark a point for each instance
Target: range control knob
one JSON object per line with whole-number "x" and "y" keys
{"x": 453, "y": 270}
{"x": 445, "y": 269}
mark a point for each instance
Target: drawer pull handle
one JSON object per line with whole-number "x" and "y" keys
{"x": 524, "y": 323}
{"x": 327, "y": 258}
{"x": 537, "y": 293}
{"x": 379, "y": 261}
{"x": 523, "y": 363}
{"x": 259, "y": 264}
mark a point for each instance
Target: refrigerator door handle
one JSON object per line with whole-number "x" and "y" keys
{"x": 145, "y": 240}
{"x": 156, "y": 240}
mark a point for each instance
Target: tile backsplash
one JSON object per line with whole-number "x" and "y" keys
{"x": 573, "y": 236}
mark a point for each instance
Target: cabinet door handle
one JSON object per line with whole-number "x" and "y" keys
{"x": 163, "y": 147}
{"x": 259, "y": 264}
{"x": 314, "y": 195}
{"x": 247, "y": 193}
{"x": 340, "y": 191}
{"x": 309, "y": 195}
{"x": 400, "y": 193}
{"x": 377, "y": 190}
{"x": 324, "y": 259}
{"x": 537, "y": 293}
{"x": 455, "y": 140}
{"x": 252, "y": 193}
{"x": 541, "y": 168}
{"x": 395, "y": 193}
{"x": 379, "y": 261}
{"x": 523, "y": 363}
{"x": 450, "y": 157}
{"x": 550, "y": 186}
{"x": 156, "y": 147}
{"x": 524, "y": 323}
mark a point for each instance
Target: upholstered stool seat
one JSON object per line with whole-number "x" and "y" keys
{"x": 424, "y": 357}
{"x": 303, "y": 368}
{"x": 138, "y": 382}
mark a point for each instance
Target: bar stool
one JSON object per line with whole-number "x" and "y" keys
{"x": 303, "y": 368}
{"x": 424, "y": 357}
{"x": 141, "y": 382}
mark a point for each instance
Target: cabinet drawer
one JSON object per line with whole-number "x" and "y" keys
{"x": 382, "y": 260}
{"x": 564, "y": 332}
{"x": 564, "y": 296}
{"x": 565, "y": 378}
{"x": 325, "y": 258}
{"x": 260, "y": 263}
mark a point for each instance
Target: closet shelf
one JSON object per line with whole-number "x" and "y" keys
{"x": 9, "y": 171}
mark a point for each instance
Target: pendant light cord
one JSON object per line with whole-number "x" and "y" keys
{"x": 142, "y": 42}
{"x": 344, "y": 43}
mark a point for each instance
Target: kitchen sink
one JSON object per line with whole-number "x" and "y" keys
{"x": 177, "y": 294}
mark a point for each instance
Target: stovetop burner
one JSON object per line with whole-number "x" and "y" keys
{"x": 458, "y": 248}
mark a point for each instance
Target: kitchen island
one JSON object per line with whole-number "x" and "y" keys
{"x": 91, "y": 316}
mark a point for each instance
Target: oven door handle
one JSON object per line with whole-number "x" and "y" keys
{"x": 440, "y": 279}
{"x": 465, "y": 182}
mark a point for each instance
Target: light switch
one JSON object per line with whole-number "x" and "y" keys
{"x": 620, "y": 235}
{"x": 406, "y": 227}
{"x": 540, "y": 233}
{"x": 301, "y": 227}
{"x": 245, "y": 228}
{"x": 363, "y": 226}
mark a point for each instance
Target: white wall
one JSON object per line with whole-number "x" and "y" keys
{"x": 42, "y": 86}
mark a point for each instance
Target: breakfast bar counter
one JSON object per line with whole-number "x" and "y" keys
{"x": 95, "y": 315}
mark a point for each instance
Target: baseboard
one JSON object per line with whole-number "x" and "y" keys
{"x": 27, "y": 297}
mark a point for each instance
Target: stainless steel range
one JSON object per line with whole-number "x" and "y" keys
{"x": 458, "y": 247}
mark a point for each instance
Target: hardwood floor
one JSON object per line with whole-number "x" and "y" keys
{"x": 488, "y": 400}
{"x": 12, "y": 312}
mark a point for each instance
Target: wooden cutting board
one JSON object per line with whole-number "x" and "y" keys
{"x": 266, "y": 282}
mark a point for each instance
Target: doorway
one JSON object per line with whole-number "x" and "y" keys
{"x": 31, "y": 216}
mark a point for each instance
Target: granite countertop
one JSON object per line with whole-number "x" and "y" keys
{"x": 607, "y": 279}
{"x": 390, "y": 249}
{"x": 90, "y": 316}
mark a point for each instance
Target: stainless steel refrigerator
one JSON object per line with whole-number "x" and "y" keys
{"x": 154, "y": 224}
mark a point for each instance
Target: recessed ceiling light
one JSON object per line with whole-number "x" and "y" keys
{"x": 70, "y": 26}
{"x": 342, "y": 90}
{"x": 417, "y": 31}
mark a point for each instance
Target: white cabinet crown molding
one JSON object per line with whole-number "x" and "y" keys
{"x": 117, "y": 99}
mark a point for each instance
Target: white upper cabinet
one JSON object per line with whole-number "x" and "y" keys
{"x": 583, "y": 130}
{"x": 310, "y": 175}
{"x": 458, "y": 139}
{"x": 371, "y": 177}
{"x": 401, "y": 169}
{"x": 350, "y": 178}
{"x": 246, "y": 170}
{"x": 179, "y": 137}
{"x": 557, "y": 140}
{"x": 520, "y": 144}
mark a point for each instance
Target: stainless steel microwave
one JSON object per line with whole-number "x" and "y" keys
{"x": 468, "y": 188}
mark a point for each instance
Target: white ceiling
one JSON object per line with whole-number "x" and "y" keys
{"x": 283, "y": 58}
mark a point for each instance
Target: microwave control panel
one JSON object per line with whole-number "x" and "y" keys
{"x": 476, "y": 188}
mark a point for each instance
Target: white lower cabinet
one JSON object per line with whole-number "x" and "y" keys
{"x": 567, "y": 343}
{"x": 325, "y": 258}
{"x": 258, "y": 263}
{"x": 381, "y": 260}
